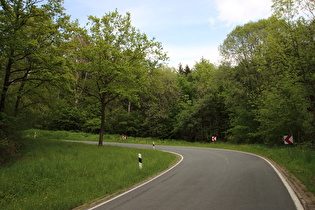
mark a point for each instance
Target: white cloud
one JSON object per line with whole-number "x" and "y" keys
{"x": 191, "y": 54}
{"x": 242, "y": 11}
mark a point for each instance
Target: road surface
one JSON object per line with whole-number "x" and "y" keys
{"x": 209, "y": 179}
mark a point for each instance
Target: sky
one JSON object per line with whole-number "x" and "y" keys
{"x": 187, "y": 29}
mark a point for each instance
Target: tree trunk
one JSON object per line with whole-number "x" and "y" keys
{"x": 129, "y": 106}
{"x": 18, "y": 99}
{"x": 3, "y": 97}
{"x": 100, "y": 142}
{"x": 6, "y": 84}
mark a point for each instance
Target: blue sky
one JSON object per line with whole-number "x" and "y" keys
{"x": 188, "y": 30}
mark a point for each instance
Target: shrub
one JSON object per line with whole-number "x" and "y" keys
{"x": 10, "y": 140}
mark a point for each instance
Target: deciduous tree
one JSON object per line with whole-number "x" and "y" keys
{"x": 119, "y": 60}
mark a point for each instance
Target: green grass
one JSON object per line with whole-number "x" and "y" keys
{"x": 61, "y": 175}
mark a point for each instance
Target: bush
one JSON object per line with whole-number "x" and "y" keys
{"x": 10, "y": 139}
{"x": 69, "y": 119}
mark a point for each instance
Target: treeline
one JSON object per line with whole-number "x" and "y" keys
{"x": 109, "y": 77}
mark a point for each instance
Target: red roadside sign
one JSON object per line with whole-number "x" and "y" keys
{"x": 214, "y": 138}
{"x": 288, "y": 139}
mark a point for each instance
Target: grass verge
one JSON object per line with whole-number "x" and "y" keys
{"x": 62, "y": 175}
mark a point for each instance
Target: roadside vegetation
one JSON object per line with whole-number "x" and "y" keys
{"x": 53, "y": 174}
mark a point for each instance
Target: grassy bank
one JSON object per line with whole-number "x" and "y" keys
{"x": 62, "y": 175}
{"x": 301, "y": 162}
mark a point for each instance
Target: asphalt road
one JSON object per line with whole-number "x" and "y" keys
{"x": 209, "y": 179}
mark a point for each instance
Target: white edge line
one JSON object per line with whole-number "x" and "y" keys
{"x": 118, "y": 196}
{"x": 295, "y": 199}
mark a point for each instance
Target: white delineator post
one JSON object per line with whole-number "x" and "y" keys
{"x": 153, "y": 146}
{"x": 140, "y": 161}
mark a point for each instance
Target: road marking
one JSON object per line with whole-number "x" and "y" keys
{"x": 118, "y": 196}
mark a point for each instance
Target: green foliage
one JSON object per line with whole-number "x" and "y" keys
{"x": 92, "y": 125}
{"x": 69, "y": 119}
{"x": 270, "y": 90}
{"x": 203, "y": 113}
{"x": 29, "y": 58}
{"x": 161, "y": 107}
{"x": 243, "y": 126}
{"x": 130, "y": 124}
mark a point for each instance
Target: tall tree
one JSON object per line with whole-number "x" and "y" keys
{"x": 161, "y": 105}
{"x": 119, "y": 59}
{"x": 32, "y": 46}
{"x": 180, "y": 68}
{"x": 244, "y": 47}
{"x": 187, "y": 70}
{"x": 300, "y": 23}
{"x": 290, "y": 54}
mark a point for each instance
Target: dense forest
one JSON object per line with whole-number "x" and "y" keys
{"x": 108, "y": 77}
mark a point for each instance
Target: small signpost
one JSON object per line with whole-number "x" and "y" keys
{"x": 123, "y": 138}
{"x": 214, "y": 139}
{"x": 288, "y": 140}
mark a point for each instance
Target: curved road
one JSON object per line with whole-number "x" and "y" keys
{"x": 209, "y": 179}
